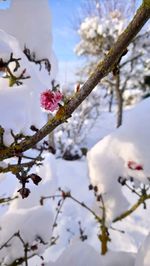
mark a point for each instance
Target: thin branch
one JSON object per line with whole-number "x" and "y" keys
{"x": 27, "y": 248}
{"x": 7, "y": 200}
{"x": 132, "y": 209}
{"x": 7, "y": 242}
{"x": 130, "y": 60}
{"x": 66, "y": 195}
{"x": 15, "y": 168}
{"x": 61, "y": 203}
{"x": 82, "y": 204}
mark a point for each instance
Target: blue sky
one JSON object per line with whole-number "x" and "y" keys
{"x": 64, "y": 14}
{"x": 4, "y": 4}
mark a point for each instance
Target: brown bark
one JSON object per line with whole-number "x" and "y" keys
{"x": 119, "y": 98}
{"x": 51, "y": 139}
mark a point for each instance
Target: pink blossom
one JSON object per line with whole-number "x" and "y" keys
{"x": 50, "y": 100}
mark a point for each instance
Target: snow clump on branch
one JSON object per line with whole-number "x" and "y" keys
{"x": 124, "y": 153}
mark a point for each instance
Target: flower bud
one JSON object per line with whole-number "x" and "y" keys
{"x": 24, "y": 192}
{"x": 35, "y": 178}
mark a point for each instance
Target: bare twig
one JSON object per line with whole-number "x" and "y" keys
{"x": 141, "y": 200}
{"x": 66, "y": 195}
{"x": 7, "y": 200}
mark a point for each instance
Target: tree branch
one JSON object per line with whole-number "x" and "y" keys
{"x": 132, "y": 209}
{"x": 15, "y": 168}
{"x": 7, "y": 200}
{"x": 102, "y": 69}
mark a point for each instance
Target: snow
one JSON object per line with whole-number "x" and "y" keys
{"x": 5, "y": 50}
{"x": 124, "y": 152}
{"x": 26, "y": 106}
{"x": 35, "y": 33}
{"x": 80, "y": 253}
{"x": 95, "y": 29}
{"x": 26, "y": 222}
{"x": 28, "y": 217}
{"x": 19, "y": 109}
{"x": 143, "y": 255}
{"x": 109, "y": 158}
{"x": 72, "y": 176}
{"x": 114, "y": 259}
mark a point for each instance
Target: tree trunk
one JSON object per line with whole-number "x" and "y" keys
{"x": 119, "y": 99}
{"x": 110, "y": 101}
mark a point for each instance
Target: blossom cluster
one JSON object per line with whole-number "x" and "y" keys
{"x": 50, "y": 100}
